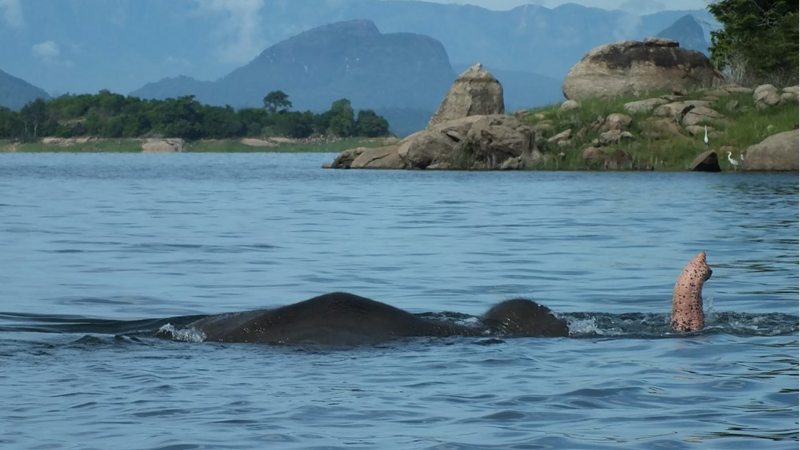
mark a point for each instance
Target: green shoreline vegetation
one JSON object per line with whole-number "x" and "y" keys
{"x": 746, "y": 126}
{"x": 114, "y": 119}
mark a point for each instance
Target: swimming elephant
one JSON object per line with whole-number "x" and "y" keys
{"x": 345, "y": 319}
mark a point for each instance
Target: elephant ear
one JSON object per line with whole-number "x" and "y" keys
{"x": 524, "y": 317}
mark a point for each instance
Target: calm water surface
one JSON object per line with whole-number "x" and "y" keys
{"x": 94, "y": 246}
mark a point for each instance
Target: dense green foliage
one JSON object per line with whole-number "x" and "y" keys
{"x": 109, "y": 115}
{"x": 758, "y": 41}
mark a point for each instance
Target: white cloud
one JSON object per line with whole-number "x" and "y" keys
{"x": 176, "y": 61}
{"x": 239, "y": 29}
{"x": 49, "y": 52}
{"x": 12, "y": 13}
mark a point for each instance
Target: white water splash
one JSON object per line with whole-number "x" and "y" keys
{"x": 185, "y": 334}
{"x": 589, "y": 327}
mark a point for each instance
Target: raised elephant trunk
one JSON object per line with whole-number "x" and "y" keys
{"x": 687, "y": 298}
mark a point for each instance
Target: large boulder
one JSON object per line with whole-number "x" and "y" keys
{"x": 475, "y": 92}
{"x": 678, "y": 110}
{"x": 636, "y": 68}
{"x": 765, "y": 96}
{"x": 703, "y": 114}
{"x": 617, "y": 121}
{"x": 777, "y": 153}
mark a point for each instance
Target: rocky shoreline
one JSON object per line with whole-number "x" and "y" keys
{"x": 471, "y": 131}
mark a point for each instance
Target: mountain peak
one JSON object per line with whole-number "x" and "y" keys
{"x": 355, "y": 28}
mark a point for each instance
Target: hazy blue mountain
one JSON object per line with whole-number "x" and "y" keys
{"x": 688, "y": 32}
{"x": 87, "y": 45}
{"x": 174, "y": 87}
{"x": 352, "y": 60}
{"x": 16, "y": 93}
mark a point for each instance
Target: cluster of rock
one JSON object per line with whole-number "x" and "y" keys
{"x": 670, "y": 117}
{"x": 469, "y": 131}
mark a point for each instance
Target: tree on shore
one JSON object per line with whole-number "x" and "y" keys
{"x": 34, "y": 114}
{"x": 276, "y": 101}
{"x": 370, "y": 124}
{"x": 758, "y": 41}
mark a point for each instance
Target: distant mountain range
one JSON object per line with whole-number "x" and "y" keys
{"x": 352, "y": 60}
{"x": 88, "y": 45}
{"x": 16, "y": 93}
{"x": 393, "y": 56}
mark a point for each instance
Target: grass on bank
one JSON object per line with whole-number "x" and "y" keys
{"x": 747, "y": 126}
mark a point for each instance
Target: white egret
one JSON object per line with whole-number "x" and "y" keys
{"x": 705, "y": 136}
{"x": 733, "y": 162}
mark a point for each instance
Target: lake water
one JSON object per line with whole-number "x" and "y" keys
{"x": 96, "y": 249}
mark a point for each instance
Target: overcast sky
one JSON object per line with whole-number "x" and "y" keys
{"x": 641, "y": 6}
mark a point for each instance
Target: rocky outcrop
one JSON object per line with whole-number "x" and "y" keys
{"x": 636, "y": 68}
{"x": 163, "y": 146}
{"x": 468, "y": 132}
{"x": 475, "y": 92}
{"x": 777, "y": 153}
{"x": 707, "y": 161}
{"x": 495, "y": 142}
{"x": 499, "y": 142}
